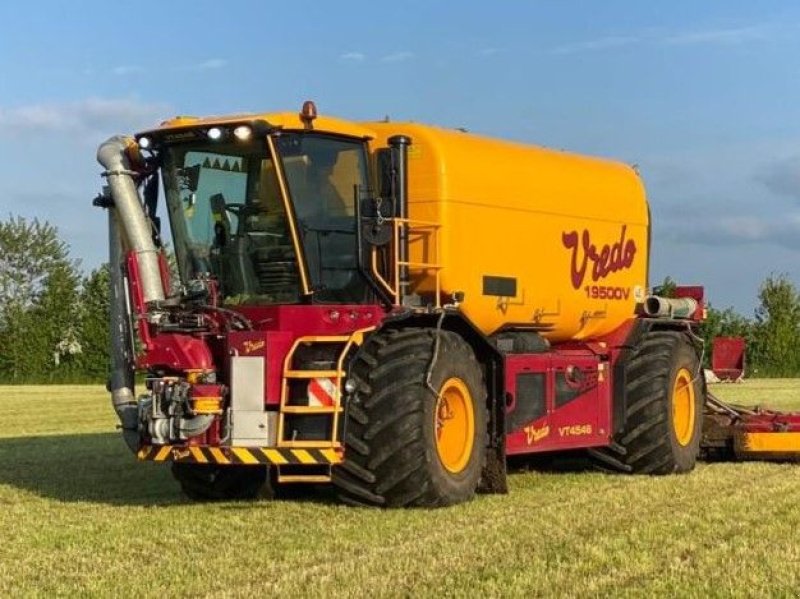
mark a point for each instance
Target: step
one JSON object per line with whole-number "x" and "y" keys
{"x": 320, "y": 444}
{"x": 314, "y": 374}
{"x": 304, "y": 478}
{"x": 310, "y": 409}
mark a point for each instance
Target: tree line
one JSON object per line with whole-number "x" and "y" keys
{"x": 772, "y": 335}
{"x": 54, "y": 317}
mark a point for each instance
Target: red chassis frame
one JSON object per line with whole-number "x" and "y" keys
{"x": 576, "y": 384}
{"x": 558, "y": 399}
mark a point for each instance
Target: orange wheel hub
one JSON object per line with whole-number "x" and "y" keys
{"x": 455, "y": 425}
{"x": 683, "y": 407}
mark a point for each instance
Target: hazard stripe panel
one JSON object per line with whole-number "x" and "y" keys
{"x": 277, "y": 456}
{"x": 322, "y": 392}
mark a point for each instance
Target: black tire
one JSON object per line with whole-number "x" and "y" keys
{"x": 650, "y": 442}
{"x": 211, "y": 482}
{"x": 391, "y": 456}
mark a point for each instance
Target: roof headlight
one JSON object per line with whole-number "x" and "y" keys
{"x": 145, "y": 143}
{"x": 242, "y": 133}
{"x": 215, "y": 133}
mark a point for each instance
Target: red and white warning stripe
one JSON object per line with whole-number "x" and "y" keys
{"x": 322, "y": 392}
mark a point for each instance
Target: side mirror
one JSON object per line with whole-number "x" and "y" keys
{"x": 376, "y": 220}
{"x": 382, "y": 208}
{"x": 376, "y": 234}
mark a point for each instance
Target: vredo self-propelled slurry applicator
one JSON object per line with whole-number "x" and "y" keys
{"x": 395, "y": 308}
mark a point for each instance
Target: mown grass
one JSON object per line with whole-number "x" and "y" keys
{"x": 78, "y": 515}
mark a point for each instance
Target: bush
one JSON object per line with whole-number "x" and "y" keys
{"x": 39, "y": 304}
{"x": 775, "y": 342}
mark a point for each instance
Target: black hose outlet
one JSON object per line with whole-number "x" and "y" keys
{"x": 129, "y": 423}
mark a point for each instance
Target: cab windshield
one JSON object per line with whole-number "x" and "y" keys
{"x": 229, "y": 221}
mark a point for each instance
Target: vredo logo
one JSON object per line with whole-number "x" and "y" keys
{"x": 605, "y": 260}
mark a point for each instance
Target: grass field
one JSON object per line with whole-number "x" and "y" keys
{"x": 78, "y": 515}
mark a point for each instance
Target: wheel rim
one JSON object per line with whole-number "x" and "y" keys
{"x": 455, "y": 425}
{"x": 683, "y": 407}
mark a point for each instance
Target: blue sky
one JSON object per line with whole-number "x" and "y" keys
{"x": 703, "y": 96}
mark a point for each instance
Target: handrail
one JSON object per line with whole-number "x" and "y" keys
{"x": 337, "y": 374}
{"x": 418, "y": 228}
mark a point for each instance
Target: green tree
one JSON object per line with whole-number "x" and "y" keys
{"x": 56, "y": 357}
{"x": 94, "y": 318}
{"x": 775, "y": 350}
{"x": 29, "y": 252}
{"x": 38, "y": 303}
{"x": 667, "y": 287}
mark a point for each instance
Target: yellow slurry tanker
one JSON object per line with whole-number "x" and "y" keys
{"x": 392, "y": 308}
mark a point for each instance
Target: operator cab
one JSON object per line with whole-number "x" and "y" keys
{"x": 241, "y": 204}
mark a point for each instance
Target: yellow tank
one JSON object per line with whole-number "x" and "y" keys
{"x": 533, "y": 237}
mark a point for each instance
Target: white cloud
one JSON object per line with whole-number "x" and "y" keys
{"x": 736, "y": 231}
{"x": 733, "y": 35}
{"x": 746, "y": 228}
{"x": 208, "y": 65}
{"x": 736, "y": 35}
{"x": 353, "y": 57}
{"x": 602, "y": 43}
{"x": 124, "y": 70}
{"x": 782, "y": 177}
{"x": 91, "y": 115}
{"x": 489, "y": 51}
{"x": 211, "y": 64}
{"x": 398, "y": 56}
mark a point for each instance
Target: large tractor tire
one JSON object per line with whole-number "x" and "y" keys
{"x": 409, "y": 443}
{"x": 210, "y": 482}
{"x": 664, "y": 411}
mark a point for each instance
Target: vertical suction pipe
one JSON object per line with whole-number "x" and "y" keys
{"x": 399, "y": 151}
{"x": 134, "y": 225}
{"x": 120, "y": 382}
{"x": 128, "y": 230}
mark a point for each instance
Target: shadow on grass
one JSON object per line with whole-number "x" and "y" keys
{"x": 559, "y": 462}
{"x": 98, "y": 468}
{"x": 88, "y": 467}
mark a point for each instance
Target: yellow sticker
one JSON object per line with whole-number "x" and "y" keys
{"x": 534, "y": 434}
{"x": 251, "y": 346}
{"x": 575, "y": 430}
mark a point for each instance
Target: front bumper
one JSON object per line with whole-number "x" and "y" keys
{"x": 273, "y": 456}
